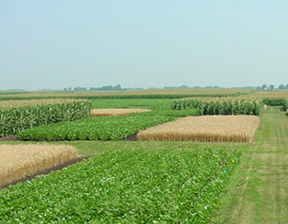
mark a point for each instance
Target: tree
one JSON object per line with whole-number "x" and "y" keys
{"x": 106, "y": 88}
{"x": 286, "y": 87}
{"x": 271, "y": 86}
{"x": 183, "y": 87}
{"x": 281, "y": 86}
{"x": 264, "y": 86}
{"x": 117, "y": 87}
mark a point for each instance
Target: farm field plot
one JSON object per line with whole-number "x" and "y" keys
{"x": 131, "y": 103}
{"x": 8, "y": 104}
{"x": 115, "y": 111}
{"x": 18, "y": 161}
{"x": 24, "y": 114}
{"x": 255, "y": 191}
{"x": 221, "y": 105}
{"x": 126, "y": 186}
{"x": 149, "y": 93}
{"x": 97, "y": 128}
{"x": 240, "y": 128}
{"x": 269, "y": 94}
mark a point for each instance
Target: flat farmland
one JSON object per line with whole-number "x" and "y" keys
{"x": 253, "y": 189}
{"x": 132, "y": 93}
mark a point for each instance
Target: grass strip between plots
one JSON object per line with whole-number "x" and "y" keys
{"x": 99, "y": 128}
{"x": 126, "y": 186}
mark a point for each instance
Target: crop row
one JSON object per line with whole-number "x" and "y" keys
{"x": 15, "y": 120}
{"x": 125, "y": 186}
{"x": 220, "y": 106}
{"x": 276, "y": 102}
{"x": 98, "y": 128}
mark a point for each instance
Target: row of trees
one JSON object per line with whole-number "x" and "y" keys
{"x": 272, "y": 87}
{"x": 103, "y": 88}
{"x": 118, "y": 87}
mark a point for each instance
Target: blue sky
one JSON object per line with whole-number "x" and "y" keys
{"x": 56, "y": 44}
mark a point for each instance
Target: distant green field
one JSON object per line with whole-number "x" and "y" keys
{"x": 127, "y": 94}
{"x": 131, "y": 103}
{"x": 12, "y": 92}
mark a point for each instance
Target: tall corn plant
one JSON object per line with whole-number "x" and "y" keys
{"x": 221, "y": 106}
{"x": 15, "y": 120}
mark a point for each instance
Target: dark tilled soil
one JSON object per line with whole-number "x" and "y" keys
{"x": 131, "y": 138}
{"x": 47, "y": 171}
{"x": 9, "y": 138}
{"x": 13, "y": 138}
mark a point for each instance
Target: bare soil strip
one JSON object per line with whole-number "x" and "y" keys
{"x": 20, "y": 161}
{"x": 115, "y": 112}
{"x": 240, "y": 128}
{"x": 9, "y": 138}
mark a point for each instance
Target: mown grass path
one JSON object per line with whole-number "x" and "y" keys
{"x": 262, "y": 194}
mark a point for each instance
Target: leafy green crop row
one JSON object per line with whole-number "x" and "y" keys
{"x": 276, "y": 102}
{"x": 98, "y": 128}
{"x": 15, "y": 120}
{"x": 125, "y": 186}
{"x": 220, "y": 107}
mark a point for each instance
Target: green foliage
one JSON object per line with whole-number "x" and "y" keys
{"x": 12, "y": 92}
{"x": 178, "y": 113}
{"x": 125, "y": 186}
{"x": 276, "y": 102}
{"x": 132, "y": 103}
{"x": 98, "y": 128}
{"x": 126, "y": 96}
{"x": 15, "y": 120}
{"x": 220, "y": 107}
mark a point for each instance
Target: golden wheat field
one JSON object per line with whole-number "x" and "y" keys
{"x": 234, "y": 128}
{"x": 18, "y": 161}
{"x": 7, "y": 104}
{"x": 269, "y": 94}
{"x": 115, "y": 112}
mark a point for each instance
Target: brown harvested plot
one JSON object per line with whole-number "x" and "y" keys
{"x": 234, "y": 128}
{"x": 18, "y": 161}
{"x": 115, "y": 112}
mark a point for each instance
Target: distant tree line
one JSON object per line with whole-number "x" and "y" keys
{"x": 187, "y": 87}
{"x": 119, "y": 88}
{"x": 102, "y": 88}
{"x": 272, "y": 87}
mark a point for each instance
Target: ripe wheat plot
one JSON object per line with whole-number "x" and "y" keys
{"x": 115, "y": 112}
{"x": 18, "y": 161}
{"x": 234, "y": 128}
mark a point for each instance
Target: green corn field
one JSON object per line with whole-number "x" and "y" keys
{"x": 18, "y": 118}
{"x": 220, "y": 106}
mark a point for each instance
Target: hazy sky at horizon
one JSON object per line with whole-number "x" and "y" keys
{"x": 151, "y": 43}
